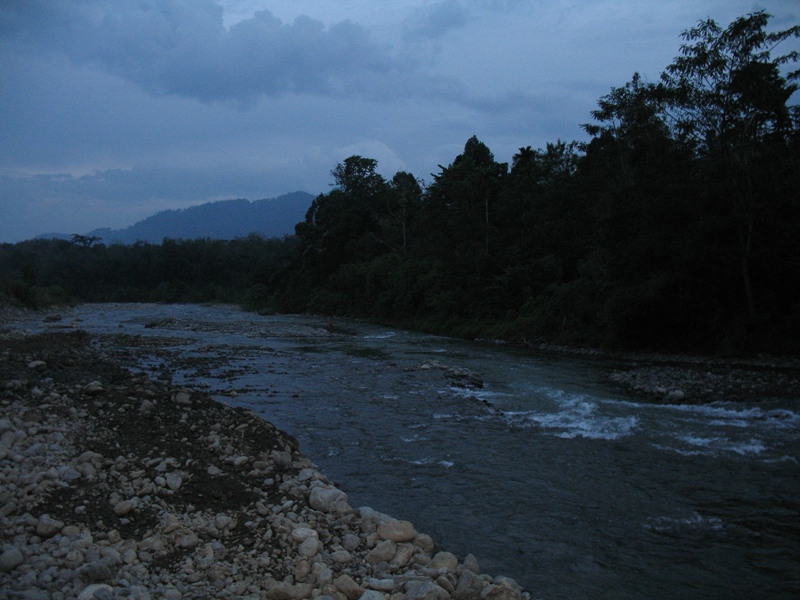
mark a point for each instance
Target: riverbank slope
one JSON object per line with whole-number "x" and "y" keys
{"x": 115, "y": 485}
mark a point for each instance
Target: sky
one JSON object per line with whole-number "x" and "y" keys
{"x": 114, "y": 110}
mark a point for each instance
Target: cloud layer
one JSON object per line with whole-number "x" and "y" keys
{"x": 111, "y": 110}
{"x": 182, "y": 48}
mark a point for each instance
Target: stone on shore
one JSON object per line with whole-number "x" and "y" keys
{"x": 426, "y": 590}
{"x": 397, "y": 531}
{"x": 11, "y": 559}
{"x": 329, "y": 499}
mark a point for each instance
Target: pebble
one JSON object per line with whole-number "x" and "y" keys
{"x": 11, "y": 559}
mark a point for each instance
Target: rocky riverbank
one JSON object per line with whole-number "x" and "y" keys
{"x": 694, "y": 380}
{"x": 688, "y": 379}
{"x": 114, "y": 485}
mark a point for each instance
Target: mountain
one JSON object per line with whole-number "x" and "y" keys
{"x": 225, "y": 219}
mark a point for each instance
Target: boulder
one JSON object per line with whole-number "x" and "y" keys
{"x": 346, "y": 585}
{"x": 383, "y": 552}
{"x": 397, "y": 531}
{"x": 444, "y": 560}
{"x": 329, "y": 500}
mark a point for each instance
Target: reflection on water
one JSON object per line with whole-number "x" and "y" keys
{"x": 546, "y": 474}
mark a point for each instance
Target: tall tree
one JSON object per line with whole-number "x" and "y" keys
{"x": 728, "y": 97}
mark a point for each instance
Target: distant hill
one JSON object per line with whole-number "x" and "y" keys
{"x": 225, "y": 219}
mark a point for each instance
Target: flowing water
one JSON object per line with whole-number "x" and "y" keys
{"x": 548, "y": 474}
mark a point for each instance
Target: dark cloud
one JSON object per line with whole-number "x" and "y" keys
{"x": 436, "y": 20}
{"x": 181, "y": 47}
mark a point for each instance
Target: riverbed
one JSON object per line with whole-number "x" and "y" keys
{"x": 545, "y": 470}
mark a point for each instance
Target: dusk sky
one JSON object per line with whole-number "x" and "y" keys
{"x": 112, "y": 110}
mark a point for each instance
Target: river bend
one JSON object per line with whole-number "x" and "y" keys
{"x": 548, "y": 474}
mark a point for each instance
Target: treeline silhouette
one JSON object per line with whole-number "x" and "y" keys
{"x": 676, "y": 227}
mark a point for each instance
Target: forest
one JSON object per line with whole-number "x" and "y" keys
{"x": 675, "y": 226}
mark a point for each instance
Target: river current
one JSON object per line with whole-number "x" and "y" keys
{"x": 548, "y": 474}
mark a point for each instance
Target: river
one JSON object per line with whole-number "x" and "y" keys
{"x": 548, "y": 474}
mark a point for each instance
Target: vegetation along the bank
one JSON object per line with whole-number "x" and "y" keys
{"x": 675, "y": 227}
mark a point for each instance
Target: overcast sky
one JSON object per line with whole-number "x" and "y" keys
{"x": 112, "y": 110}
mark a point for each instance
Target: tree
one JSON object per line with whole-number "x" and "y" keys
{"x": 85, "y": 241}
{"x": 463, "y": 194}
{"x": 406, "y": 197}
{"x": 727, "y": 97}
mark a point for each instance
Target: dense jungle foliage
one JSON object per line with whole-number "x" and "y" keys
{"x": 675, "y": 227}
